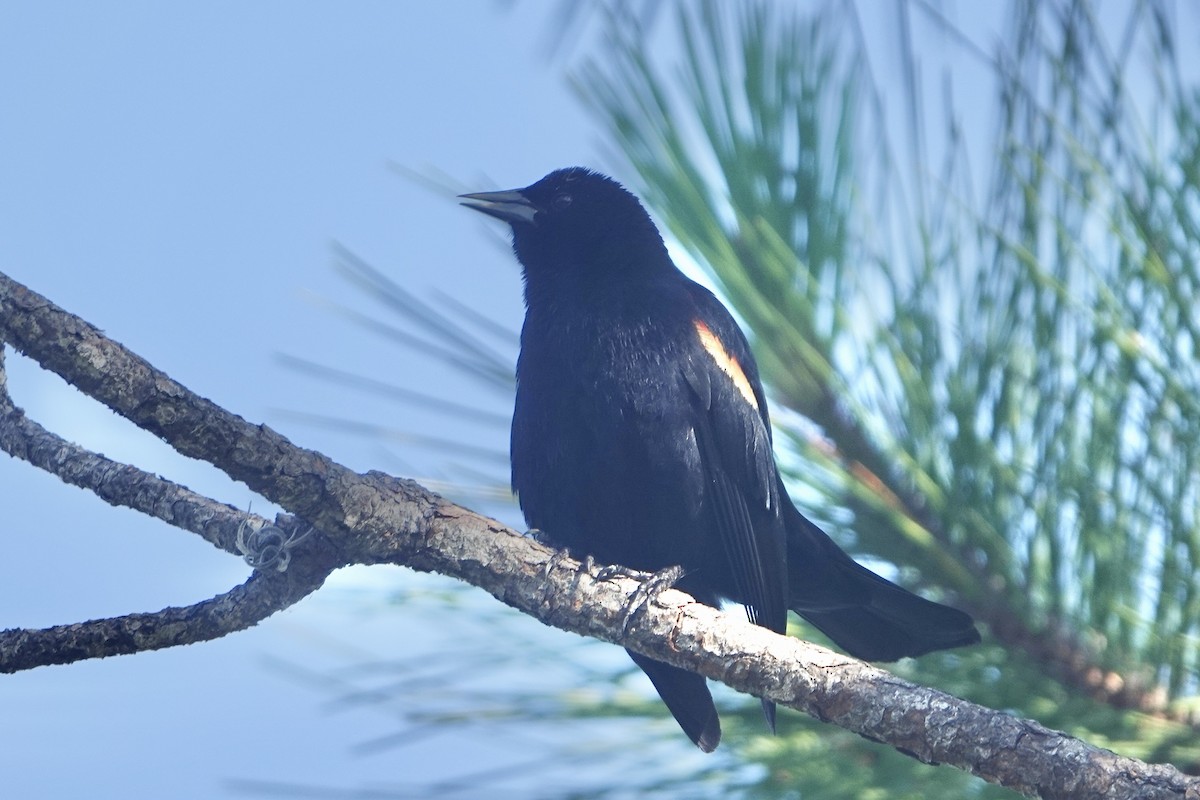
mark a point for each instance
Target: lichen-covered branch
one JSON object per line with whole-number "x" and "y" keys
{"x": 242, "y": 607}
{"x": 927, "y": 724}
{"x": 375, "y": 518}
{"x": 119, "y": 484}
{"x": 193, "y": 425}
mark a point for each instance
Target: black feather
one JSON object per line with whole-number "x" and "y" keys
{"x": 641, "y": 437}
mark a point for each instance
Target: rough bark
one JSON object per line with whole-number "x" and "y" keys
{"x": 374, "y": 518}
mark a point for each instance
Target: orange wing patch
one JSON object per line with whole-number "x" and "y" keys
{"x": 727, "y": 363}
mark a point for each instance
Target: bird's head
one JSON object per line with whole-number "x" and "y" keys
{"x": 575, "y": 220}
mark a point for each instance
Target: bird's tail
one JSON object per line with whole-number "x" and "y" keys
{"x": 686, "y": 695}
{"x": 868, "y": 616}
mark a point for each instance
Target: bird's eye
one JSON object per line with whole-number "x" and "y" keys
{"x": 561, "y": 201}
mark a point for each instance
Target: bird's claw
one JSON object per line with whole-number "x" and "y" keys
{"x": 554, "y": 562}
{"x": 539, "y": 536}
{"x": 651, "y": 586}
{"x": 613, "y": 571}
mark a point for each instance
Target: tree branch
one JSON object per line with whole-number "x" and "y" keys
{"x": 118, "y": 484}
{"x": 374, "y": 518}
{"x": 242, "y": 607}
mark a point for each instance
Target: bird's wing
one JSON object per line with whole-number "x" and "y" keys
{"x": 730, "y": 423}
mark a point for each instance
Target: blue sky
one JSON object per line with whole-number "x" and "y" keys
{"x": 178, "y": 174}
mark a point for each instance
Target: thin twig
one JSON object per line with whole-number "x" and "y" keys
{"x": 374, "y": 518}
{"x": 242, "y": 607}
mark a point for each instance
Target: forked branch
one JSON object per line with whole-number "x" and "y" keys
{"x": 374, "y": 518}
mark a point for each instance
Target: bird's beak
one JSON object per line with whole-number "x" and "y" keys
{"x": 510, "y": 206}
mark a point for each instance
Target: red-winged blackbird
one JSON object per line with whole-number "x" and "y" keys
{"x": 641, "y": 437}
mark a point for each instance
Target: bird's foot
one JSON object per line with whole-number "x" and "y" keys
{"x": 539, "y": 536}
{"x": 613, "y": 571}
{"x": 554, "y": 562}
{"x": 651, "y": 586}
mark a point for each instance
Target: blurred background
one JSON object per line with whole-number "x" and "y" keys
{"x": 964, "y": 241}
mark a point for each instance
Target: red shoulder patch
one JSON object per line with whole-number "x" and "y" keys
{"x": 727, "y": 363}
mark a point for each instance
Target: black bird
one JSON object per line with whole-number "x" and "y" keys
{"x": 641, "y": 438}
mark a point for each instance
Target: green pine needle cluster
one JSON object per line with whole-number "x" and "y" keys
{"x": 980, "y": 338}
{"x": 992, "y": 387}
